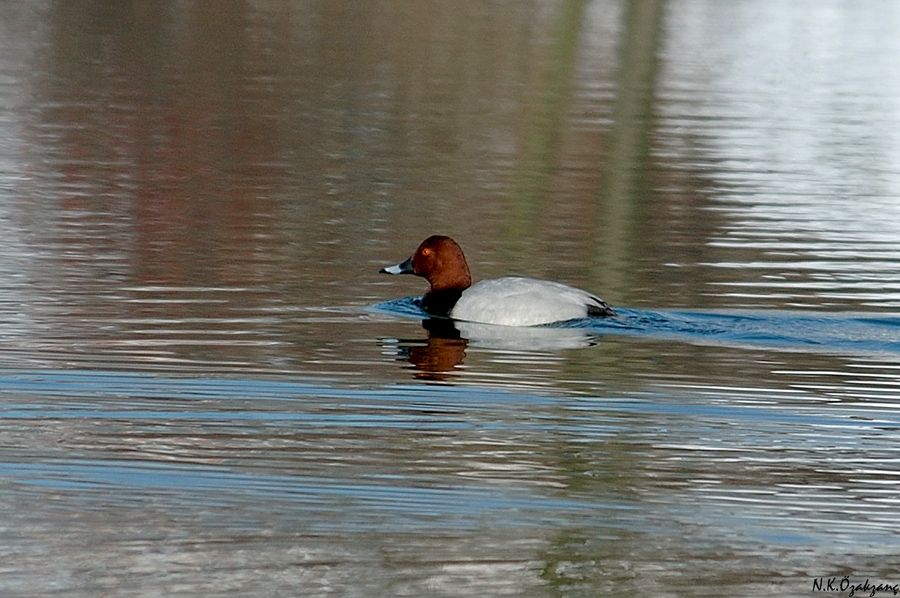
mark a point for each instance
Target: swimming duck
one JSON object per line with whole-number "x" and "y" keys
{"x": 507, "y": 301}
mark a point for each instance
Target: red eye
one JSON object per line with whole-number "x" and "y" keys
{"x": 426, "y": 251}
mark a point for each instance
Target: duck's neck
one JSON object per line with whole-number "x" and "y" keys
{"x": 440, "y": 302}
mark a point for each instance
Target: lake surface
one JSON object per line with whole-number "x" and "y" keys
{"x": 207, "y": 389}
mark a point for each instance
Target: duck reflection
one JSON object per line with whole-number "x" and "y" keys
{"x": 444, "y": 348}
{"x": 436, "y": 356}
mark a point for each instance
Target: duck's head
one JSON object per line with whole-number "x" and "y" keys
{"x": 439, "y": 260}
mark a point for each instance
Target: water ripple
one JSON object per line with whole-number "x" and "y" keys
{"x": 817, "y": 331}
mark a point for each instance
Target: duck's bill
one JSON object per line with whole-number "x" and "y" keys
{"x": 401, "y": 268}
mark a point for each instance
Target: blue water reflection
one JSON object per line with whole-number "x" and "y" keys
{"x": 459, "y": 455}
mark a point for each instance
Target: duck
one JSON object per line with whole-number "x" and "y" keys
{"x": 506, "y": 301}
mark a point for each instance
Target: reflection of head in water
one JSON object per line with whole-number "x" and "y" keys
{"x": 442, "y": 351}
{"x": 436, "y": 356}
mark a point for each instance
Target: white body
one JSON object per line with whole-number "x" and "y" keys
{"x": 515, "y": 301}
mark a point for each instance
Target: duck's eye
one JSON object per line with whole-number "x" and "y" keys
{"x": 426, "y": 251}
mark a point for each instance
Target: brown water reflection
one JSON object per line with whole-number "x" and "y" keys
{"x": 248, "y": 124}
{"x": 197, "y": 384}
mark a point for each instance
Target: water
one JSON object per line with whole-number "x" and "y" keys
{"x": 206, "y": 387}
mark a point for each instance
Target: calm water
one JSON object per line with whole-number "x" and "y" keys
{"x": 206, "y": 387}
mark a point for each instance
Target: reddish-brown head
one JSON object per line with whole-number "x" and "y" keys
{"x": 440, "y": 261}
